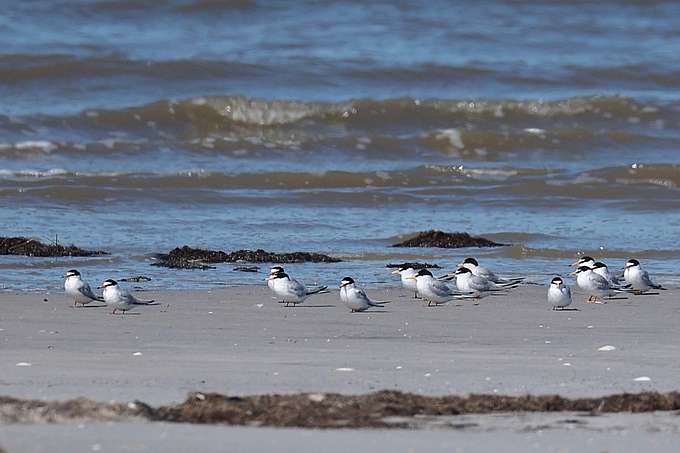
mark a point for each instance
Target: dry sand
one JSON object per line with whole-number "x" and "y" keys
{"x": 240, "y": 341}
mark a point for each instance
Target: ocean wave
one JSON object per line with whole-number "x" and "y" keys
{"x": 241, "y": 127}
{"x": 378, "y": 113}
{"x": 513, "y": 183}
{"x": 28, "y": 146}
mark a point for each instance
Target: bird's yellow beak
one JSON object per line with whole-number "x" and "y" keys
{"x": 573, "y": 273}
{"x": 396, "y": 272}
{"x": 576, "y": 263}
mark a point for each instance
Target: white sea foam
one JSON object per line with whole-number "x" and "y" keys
{"x": 42, "y": 145}
{"x": 454, "y": 137}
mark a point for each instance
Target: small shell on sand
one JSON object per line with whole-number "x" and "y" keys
{"x": 316, "y": 397}
{"x": 607, "y": 348}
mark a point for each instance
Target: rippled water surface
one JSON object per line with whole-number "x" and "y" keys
{"x": 338, "y": 128}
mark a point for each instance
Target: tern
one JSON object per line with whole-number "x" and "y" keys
{"x": 433, "y": 290}
{"x": 355, "y": 298}
{"x": 290, "y": 290}
{"x": 121, "y": 299}
{"x": 638, "y": 278}
{"x": 559, "y": 294}
{"x": 78, "y": 289}
{"x": 481, "y": 271}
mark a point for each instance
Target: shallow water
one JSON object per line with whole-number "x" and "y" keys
{"x": 338, "y": 128}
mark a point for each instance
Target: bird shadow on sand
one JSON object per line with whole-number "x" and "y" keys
{"x": 367, "y": 312}
{"x": 89, "y": 306}
{"x": 615, "y": 298}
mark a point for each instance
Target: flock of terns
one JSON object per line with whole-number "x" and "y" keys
{"x": 472, "y": 281}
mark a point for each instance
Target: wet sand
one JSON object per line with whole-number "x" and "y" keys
{"x": 240, "y": 341}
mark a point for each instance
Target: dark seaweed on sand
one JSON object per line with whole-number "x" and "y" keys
{"x": 414, "y": 265}
{"x": 440, "y": 239}
{"x": 138, "y": 279}
{"x": 33, "y": 247}
{"x": 325, "y": 410}
{"x": 191, "y": 258}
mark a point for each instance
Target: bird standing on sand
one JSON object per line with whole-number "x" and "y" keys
{"x": 433, "y": 290}
{"x": 120, "y": 299}
{"x": 594, "y": 284}
{"x": 559, "y": 294}
{"x": 355, "y": 298}
{"x": 290, "y": 290}
{"x": 477, "y": 286}
{"x": 638, "y": 278}
{"x": 78, "y": 289}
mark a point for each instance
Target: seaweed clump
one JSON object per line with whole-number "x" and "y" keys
{"x": 330, "y": 410}
{"x": 192, "y": 258}
{"x": 415, "y": 265}
{"x": 33, "y": 247}
{"x": 441, "y": 239}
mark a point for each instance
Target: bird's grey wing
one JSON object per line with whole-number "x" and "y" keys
{"x": 361, "y": 295}
{"x": 644, "y": 276}
{"x": 86, "y": 291}
{"x": 613, "y": 279}
{"x": 316, "y": 290}
{"x": 648, "y": 281}
{"x": 297, "y": 288}
{"x": 133, "y": 300}
{"x": 476, "y": 284}
{"x": 599, "y": 282}
{"x": 486, "y": 273}
{"x": 480, "y": 284}
{"x": 369, "y": 301}
{"x": 440, "y": 289}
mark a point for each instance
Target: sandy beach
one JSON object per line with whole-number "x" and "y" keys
{"x": 240, "y": 341}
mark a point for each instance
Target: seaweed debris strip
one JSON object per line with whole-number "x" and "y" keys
{"x": 193, "y": 258}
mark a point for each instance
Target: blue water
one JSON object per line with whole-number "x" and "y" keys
{"x": 338, "y": 127}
